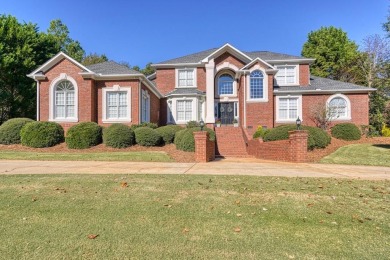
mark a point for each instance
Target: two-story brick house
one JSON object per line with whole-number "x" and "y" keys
{"x": 255, "y": 88}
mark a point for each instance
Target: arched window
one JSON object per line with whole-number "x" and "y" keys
{"x": 64, "y": 100}
{"x": 339, "y": 107}
{"x": 256, "y": 85}
{"x": 225, "y": 84}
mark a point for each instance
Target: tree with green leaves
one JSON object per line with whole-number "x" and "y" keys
{"x": 94, "y": 58}
{"x": 60, "y": 34}
{"x": 334, "y": 52}
{"x": 22, "y": 49}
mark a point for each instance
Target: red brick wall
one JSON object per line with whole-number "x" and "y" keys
{"x": 304, "y": 72}
{"x": 359, "y": 108}
{"x": 204, "y": 148}
{"x": 163, "y": 111}
{"x": 154, "y": 106}
{"x": 201, "y": 79}
{"x": 227, "y": 57}
{"x": 165, "y": 80}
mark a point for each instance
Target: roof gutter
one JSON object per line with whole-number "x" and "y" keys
{"x": 324, "y": 91}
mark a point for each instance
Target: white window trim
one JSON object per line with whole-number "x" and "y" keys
{"x": 265, "y": 85}
{"x": 145, "y": 96}
{"x": 63, "y": 76}
{"x": 217, "y": 86}
{"x": 348, "y": 116}
{"x": 116, "y": 88}
{"x": 177, "y": 78}
{"x": 292, "y": 120}
{"x": 172, "y": 105}
{"x": 296, "y": 81}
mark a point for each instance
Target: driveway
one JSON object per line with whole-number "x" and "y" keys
{"x": 231, "y": 166}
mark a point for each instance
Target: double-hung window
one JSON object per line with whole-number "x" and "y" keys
{"x": 288, "y": 109}
{"x": 145, "y": 106}
{"x": 117, "y": 105}
{"x": 186, "y": 78}
{"x": 287, "y": 75}
{"x": 184, "y": 110}
{"x": 64, "y": 100}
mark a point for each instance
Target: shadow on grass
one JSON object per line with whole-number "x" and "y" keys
{"x": 386, "y": 146}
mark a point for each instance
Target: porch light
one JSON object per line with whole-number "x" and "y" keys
{"x": 201, "y": 123}
{"x": 298, "y": 122}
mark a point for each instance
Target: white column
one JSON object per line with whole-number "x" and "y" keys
{"x": 210, "y": 72}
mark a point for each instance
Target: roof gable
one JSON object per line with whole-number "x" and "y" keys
{"x": 230, "y": 49}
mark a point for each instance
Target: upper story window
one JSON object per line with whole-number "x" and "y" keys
{"x": 339, "y": 107}
{"x": 225, "y": 85}
{"x": 64, "y": 95}
{"x": 287, "y": 75}
{"x": 256, "y": 85}
{"x": 186, "y": 78}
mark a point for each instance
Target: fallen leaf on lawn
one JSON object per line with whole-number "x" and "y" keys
{"x": 185, "y": 230}
{"x": 237, "y": 202}
{"x": 291, "y": 257}
{"x": 237, "y": 229}
{"x": 264, "y": 209}
{"x": 92, "y": 236}
{"x": 200, "y": 183}
{"x": 124, "y": 184}
{"x": 321, "y": 221}
{"x": 239, "y": 215}
{"x": 334, "y": 223}
{"x": 321, "y": 187}
{"x": 310, "y": 205}
{"x": 368, "y": 218}
{"x": 329, "y": 212}
{"x": 333, "y": 197}
{"x": 34, "y": 199}
{"x": 167, "y": 205}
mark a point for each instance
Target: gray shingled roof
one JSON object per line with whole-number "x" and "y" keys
{"x": 110, "y": 68}
{"x": 199, "y": 56}
{"x": 186, "y": 91}
{"x": 324, "y": 84}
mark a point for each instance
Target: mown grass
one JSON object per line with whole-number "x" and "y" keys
{"x": 360, "y": 154}
{"x": 192, "y": 217}
{"x": 98, "y": 156}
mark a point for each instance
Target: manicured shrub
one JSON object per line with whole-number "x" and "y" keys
{"x": 84, "y": 135}
{"x": 260, "y": 132}
{"x": 192, "y": 124}
{"x": 145, "y": 124}
{"x": 147, "y": 136}
{"x": 185, "y": 141}
{"x": 41, "y": 134}
{"x": 118, "y": 136}
{"x": 346, "y": 131}
{"x": 318, "y": 138}
{"x": 168, "y": 132}
{"x": 10, "y": 130}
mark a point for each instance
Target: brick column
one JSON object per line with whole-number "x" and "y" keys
{"x": 298, "y": 145}
{"x": 201, "y": 139}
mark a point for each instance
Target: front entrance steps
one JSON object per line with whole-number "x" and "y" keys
{"x": 230, "y": 142}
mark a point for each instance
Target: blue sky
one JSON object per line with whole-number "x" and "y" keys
{"x": 151, "y": 31}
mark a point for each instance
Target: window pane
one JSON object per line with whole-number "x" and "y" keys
{"x": 186, "y": 78}
{"x": 60, "y": 98}
{"x": 288, "y": 108}
{"x": 256, "y": 84}
{"x": 60, "y": 111}
{"x": 70, "y": 111}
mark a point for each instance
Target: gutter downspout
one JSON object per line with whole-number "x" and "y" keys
{"x": 139, "y": 102}
{"x": 38, "y": 100}
{"x": 244, "y": 73}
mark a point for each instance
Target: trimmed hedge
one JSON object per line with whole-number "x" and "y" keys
{"x": 84, "y": 135}
{"x": 260, "y": 132}
{"x": 10, "y": 130}
{"x": 318, "y": 138}
{"x": 118, "y": 136}
{"x": 168, "y": 132}
{"x": 192, "y": 124}
{"x": 185, "y": 141}
{"x": 150, "y": 125}
{"x": 346, "y": 131}
{"x": 41, "y": 134}
{"x": 147, "y": 136}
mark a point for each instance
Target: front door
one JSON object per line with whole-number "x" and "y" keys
{"x": 226, "y": 113}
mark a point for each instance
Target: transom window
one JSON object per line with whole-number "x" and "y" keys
{"x": 184, "y": 110}
{"x": 145, "y": 106}
{"x": 288, "y": 108}
{"x": 186, "y": 78}
{"x": 225, "y": 84}
{"x": 117, "y": 105}
{"x": 64, "y": 100}
{"x": 286, "y": 75}
{"x": 338, "y": 108}
{"x": 256, "y": 84}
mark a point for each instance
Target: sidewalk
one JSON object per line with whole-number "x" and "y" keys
{"x": 229, "y": 166}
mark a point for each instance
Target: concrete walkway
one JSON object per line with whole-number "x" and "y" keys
{"x": 231, "y": 166}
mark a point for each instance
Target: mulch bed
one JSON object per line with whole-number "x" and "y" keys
{"x": 317, "y": 154}
{"x": 177, "y": 155}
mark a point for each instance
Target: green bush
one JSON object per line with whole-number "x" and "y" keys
{"x": 318, "y": 138}
{"x": 145, "y": 124}
{"x": 118, "y": 136}
{"x": 168, "y": 132}
{"x": 192, "y": 124}
{"x": 185, "y": 141}
{"x": 84, "y": 135}
{"x": 260, "y": 132}
{"x": 346, "y": 131}
{"x": 10, "y": 130}
{"x": 147, "y": 136}
{"x": 41, "y": 134}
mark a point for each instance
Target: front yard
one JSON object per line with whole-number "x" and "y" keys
{"x": 197, "y": 217}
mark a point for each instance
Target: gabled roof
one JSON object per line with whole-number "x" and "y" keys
{"x": 110, "y": 68}
{"x": 318, "y": 85}
{"x": 203, "y": 56}
{"x": 186, "y": 91}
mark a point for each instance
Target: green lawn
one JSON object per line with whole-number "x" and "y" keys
{"x": 361, "y": 154}
{"x": 107, "y": 156}
{"x": 192, "y": 217}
